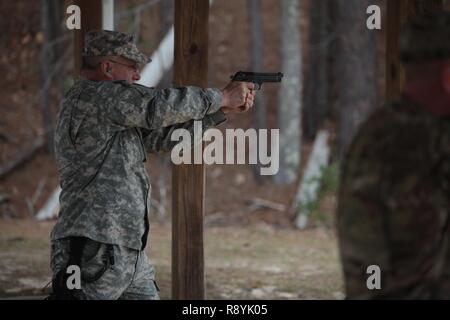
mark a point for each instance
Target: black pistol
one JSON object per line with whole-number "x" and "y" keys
{"x": 257, "y": 78}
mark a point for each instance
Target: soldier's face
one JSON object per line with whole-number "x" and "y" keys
{"x": 428, "y": 84}
{"x": 124, "y": 69}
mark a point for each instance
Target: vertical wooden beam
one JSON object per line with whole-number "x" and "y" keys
{"x": 188, "y": 181}
{"x": 91, "y": 19}
{"x": 398, "y": 12}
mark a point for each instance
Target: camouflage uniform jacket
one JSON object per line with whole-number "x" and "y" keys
{"x": 103, "y": 133}
{"x": 394, "y": 205}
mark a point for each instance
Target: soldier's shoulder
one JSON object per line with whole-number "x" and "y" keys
{"x": 392, "y": 120}
{"x": 120, "y": 87}
{"x": 376, "y": 124}
{"x": 109, "y": 87}
{"x": 379, "y": 132}
{"x": 143, "y": 90}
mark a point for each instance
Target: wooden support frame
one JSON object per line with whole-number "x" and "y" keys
{"x": 398, "y": 12}
{"x": 188, "y": 181}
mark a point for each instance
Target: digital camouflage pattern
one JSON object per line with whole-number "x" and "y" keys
{"x": 112, "y": 43}
{"x": 394, "y": 205}
{"x": 103, "y": 133}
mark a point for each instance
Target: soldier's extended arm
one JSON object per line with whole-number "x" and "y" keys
{"x": 158, "y": 140}
{"x": 143, "y": 107}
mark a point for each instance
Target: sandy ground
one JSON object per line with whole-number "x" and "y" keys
{"x": 255, "y": 262}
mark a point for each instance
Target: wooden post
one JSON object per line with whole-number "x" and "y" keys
{"x": 188, "y": 181}
{"x": 398, "y": 12}
{"x": 91, "y": 19}
{"x": 46, "y": 57}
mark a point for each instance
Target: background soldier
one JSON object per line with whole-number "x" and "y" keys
{"x": 106, "y": 125}
{"x": 394, "y": 201}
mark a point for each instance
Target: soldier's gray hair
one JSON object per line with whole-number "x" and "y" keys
{"x": 92, "y": 63}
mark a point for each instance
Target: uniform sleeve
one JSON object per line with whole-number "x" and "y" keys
{"x": 139, "y": 106}
{"x": 158, "y": 140}
{"x": 361, "y": 217}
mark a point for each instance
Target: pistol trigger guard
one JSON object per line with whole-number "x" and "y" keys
{"x": 258, "y": 86}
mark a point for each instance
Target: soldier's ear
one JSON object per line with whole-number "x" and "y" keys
{"x": 446, "y": 77}
{"x": 106, "y": 68}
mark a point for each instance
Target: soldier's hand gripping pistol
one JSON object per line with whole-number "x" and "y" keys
{"x": 258, "y": 78}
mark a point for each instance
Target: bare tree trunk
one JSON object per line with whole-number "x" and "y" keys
{"x": 167, "y": 14}
{"x": 317, "y": 85}
{"x": 51, "y": 28}
{"x": 256, "y": 36}
{"x": 45, "y": 75}
{"x": 137, "y": 26}
{"x": 289, "y": 112}
{"x": 55, "y": 20}
{"x": 354, "y": 68}
{"x": 167, "y": 20}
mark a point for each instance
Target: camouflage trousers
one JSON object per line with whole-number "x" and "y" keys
{"x": 108, "y": 272}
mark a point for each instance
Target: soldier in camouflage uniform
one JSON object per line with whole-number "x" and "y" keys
{"x": 394, "y": 201}
{"x": 106, "y": 126}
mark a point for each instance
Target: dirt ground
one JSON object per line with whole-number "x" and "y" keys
{"x": 255, "y": 262}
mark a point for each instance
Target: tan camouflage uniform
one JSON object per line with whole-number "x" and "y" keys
{"x": 103, "y": 135}
{"x": 394, "y": 201}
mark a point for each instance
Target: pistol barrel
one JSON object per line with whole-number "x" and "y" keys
{"x": 257, "y": 77}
